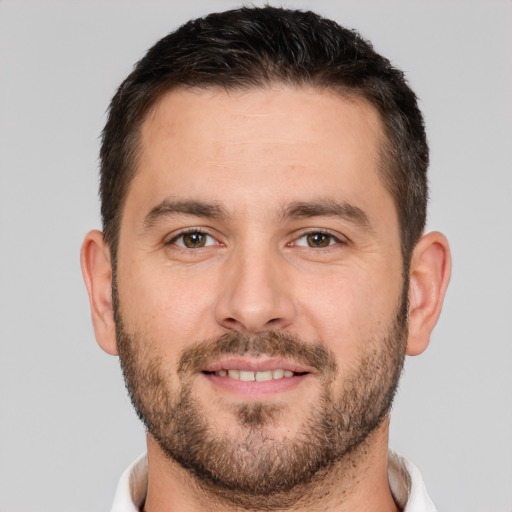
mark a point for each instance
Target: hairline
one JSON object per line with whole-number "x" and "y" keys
{"x": 386, "y": 164}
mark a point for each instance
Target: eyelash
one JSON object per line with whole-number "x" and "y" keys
{"x": 188, "y": 231}
{"x": 332, "y": 238}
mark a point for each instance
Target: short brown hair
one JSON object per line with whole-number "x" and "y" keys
{"x": 254, "y": 47}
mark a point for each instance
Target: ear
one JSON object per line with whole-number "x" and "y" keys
{"x": 429, "y": 276}
{"x": 97, "y": 271}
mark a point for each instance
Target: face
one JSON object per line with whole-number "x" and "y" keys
{"x": 259, "y": 293}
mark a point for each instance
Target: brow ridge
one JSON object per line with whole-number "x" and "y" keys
{"x": 169, "y": 208}
{"x": 326, "y": 207}
{"x": 294, "y": 210}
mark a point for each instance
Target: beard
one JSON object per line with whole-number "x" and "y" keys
{"x": 255, "y": 465}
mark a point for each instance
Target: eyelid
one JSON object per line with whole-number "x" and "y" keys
{"x": 341, "y": 239}
{"x": 176, "y": 235}
{"x": 311, "y": 231}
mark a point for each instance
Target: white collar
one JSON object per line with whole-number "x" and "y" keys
{"x": 407, "y": 485}
{"x": 405, "y": 481}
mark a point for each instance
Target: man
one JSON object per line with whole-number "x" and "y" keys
{"x": 262, "y": 269}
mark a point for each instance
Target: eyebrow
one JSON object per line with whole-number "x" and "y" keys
{"x": 329, "y": 208}
{"x": 294, "y": 210}
{"x": 170, "y": 208}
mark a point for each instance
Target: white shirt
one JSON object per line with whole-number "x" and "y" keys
{"x": 405, "y": 482}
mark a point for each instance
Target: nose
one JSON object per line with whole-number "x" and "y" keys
{"x": 255, "y": 294}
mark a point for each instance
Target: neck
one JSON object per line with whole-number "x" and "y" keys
{"x": 358, "y": 483}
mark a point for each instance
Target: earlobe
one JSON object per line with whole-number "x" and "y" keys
{"x": 429, "y": 276}
{"x": 97, "y": 272}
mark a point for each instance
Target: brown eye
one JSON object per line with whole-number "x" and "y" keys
{"x": 193, "y": 240}
{"x": 319, "y": 240}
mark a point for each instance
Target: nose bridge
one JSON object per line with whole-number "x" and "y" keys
{"x": 254, "y": 296}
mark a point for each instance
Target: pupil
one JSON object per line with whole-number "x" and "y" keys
{"x": 194, "y": 239}
{"x": 318, "y": 240}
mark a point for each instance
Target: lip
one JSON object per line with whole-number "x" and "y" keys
{"x": 255, "y": 390}
{"x": 258, "y": 364}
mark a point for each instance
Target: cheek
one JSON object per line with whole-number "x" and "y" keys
{"x": 350, "y": 309}
{"x": 165, "y": 305}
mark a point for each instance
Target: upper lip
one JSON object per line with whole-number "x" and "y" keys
{"x": 259, "y": 364}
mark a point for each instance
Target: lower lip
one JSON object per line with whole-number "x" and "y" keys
{"x": 255, "y": 389}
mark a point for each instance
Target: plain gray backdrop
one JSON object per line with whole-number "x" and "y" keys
{"x": 67, "y": 429}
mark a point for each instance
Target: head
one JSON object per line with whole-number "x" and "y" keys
{"x": 255, "y": 48}
{"x": 262, "y": 271}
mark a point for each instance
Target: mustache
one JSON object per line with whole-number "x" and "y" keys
{"x": 271, "y": 344}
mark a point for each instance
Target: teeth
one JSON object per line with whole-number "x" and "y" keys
{"x": 248, "y": 376}
{"x": 261, "y": 376}
{"x": 234, "y": 374}
{"x": 277, "y": 374}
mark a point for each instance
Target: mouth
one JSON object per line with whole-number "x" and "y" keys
{"x": 255, "y": 377}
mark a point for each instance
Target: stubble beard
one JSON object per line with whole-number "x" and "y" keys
{"x": 255, "y": 466}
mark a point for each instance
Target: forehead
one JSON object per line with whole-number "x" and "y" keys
{"x": 294, "y": 111}
{"x": 269, "y": 143}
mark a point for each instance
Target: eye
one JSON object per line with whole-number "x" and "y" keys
{"x": 316, "y": 240}
{"x": 193, "y": 240}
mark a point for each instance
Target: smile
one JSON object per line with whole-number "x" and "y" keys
{"x": 259, "y": 376}
{"x": 253, "y": 378}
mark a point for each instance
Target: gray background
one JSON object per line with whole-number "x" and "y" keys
{"x": 67, "y": 430}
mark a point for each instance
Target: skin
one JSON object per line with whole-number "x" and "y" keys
{"x": 255, "y": 154}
